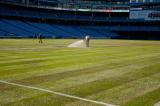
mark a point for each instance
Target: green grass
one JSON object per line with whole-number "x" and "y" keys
{"x": 120, "y": 72}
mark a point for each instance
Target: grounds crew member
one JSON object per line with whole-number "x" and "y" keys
{"x": 40, "y": 38}
{"x": 87, "y": 38}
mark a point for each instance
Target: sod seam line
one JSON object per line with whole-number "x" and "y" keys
{"x": 57, "y": 93}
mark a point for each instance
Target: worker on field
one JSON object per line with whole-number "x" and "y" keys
{"x": 87, "y": 39}
{"x": 40, "y": 38}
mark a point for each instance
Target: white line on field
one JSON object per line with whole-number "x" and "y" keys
{"x": 57, "y": 93}
{"x": 157, "y": 104}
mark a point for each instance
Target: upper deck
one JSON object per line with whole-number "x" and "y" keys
{"x": 115, "y": 14}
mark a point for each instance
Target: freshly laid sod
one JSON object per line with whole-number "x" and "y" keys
{"x": 118, "y": 72}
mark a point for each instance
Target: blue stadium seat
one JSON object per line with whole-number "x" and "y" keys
{"x": 29, "y": 28}
{"x": 89, "y": 31}
{"x": 12, "y": 29}
{"x": 71, "y": 30}
{"x": 2, "y": 33}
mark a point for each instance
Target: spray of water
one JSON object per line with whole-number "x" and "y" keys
{"x": 78, "y": 44}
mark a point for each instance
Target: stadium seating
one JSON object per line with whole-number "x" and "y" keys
{"x": 72, "y": 30}
{"x": 2, "y": 33}
{"x": 31, "y": 29}
{"x": 17, "y": 28}
{"x": 12, "y": 29}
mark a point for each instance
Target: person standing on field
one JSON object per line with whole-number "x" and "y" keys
{"x": 40, "y": 38}
{"x": 87, "y": 39}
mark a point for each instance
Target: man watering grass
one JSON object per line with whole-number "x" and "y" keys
{"x": 87, "y": 39}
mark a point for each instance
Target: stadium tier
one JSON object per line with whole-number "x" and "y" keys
{"x": 21, "y": 29}
{"x": 118, "y": 19}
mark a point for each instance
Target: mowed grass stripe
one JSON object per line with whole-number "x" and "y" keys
{"x": 151, "y": 98}
{"x": 51, "y": 56}
{"x": 46, "y": 56}
{"x": 55, "y": 57}
{"x": 34, "y": 55}
{"x": 39, "y": 65}
{"x": 44, "y": 51}
{"x": 128, "y": 91}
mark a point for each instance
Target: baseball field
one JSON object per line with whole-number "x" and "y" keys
{"x": 108, "y": 73}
